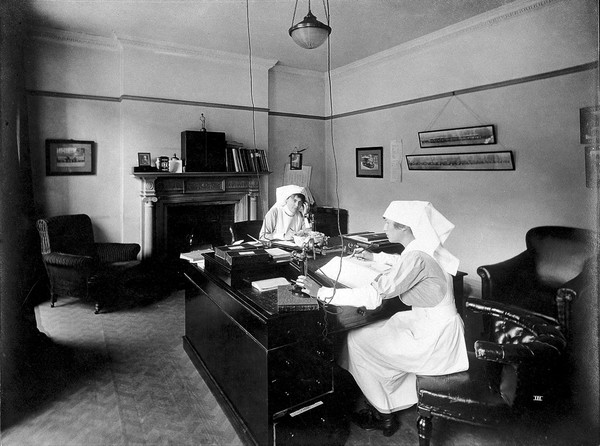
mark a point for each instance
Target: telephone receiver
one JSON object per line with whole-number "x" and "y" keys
{"x": 297, "y": 291}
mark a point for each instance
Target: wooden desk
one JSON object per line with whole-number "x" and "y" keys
{"x": 260, "y": 364}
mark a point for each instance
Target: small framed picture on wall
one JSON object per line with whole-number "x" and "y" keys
{"x": 369, "y": 162}
{"x": 592, "y": 166}
{"x": 70, "y": 157}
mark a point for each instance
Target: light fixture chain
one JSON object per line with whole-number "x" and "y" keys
{"x": 294, "y": 16}
{"x": 325, "y": 7}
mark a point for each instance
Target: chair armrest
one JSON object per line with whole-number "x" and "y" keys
{"x": 70, "y": 260}
{"x": 522, "y": 353}
{"x": 540, "y": 328}
{"x": 117, "y": 252}
{"x": 497, "y": 276}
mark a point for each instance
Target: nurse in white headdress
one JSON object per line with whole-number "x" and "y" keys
{"x": 385, "y": 357}
{"x": 286, "y": 217}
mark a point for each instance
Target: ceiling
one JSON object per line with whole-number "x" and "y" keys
{"x": 361, "y": 28}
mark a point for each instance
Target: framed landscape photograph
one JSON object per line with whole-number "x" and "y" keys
{"x": 462, "y": 161}
{"x": 465, "y": 136}
{"x": 369, "y": 162}
{"x": 69, "y": 157}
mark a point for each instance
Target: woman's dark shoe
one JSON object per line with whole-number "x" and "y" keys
{"x": 370, "y": 419}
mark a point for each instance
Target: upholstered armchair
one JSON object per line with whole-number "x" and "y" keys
{"x": 242, "y": 230}
{"x": 78, "y": 266}
{"x": 514, "y": 372}
{"x": 555, "y": 258}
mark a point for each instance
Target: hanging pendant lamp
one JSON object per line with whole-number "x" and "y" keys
{"x": 309, "y": 33}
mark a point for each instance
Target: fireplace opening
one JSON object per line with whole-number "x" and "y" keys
{"x": 197, "y": 226}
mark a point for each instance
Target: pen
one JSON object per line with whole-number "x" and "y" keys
{"x": 254, "y": 238}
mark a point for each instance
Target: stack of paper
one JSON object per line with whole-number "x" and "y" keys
{"x": 279, "y": 255}
{"x": 270, "y": 284}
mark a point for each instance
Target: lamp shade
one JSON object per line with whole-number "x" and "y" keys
{"x": 309, "y": 33}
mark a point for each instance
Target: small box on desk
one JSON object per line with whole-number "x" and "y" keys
{"x": 244, "y": 254}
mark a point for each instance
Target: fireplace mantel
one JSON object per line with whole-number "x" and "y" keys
{"x": 162, "y": 189}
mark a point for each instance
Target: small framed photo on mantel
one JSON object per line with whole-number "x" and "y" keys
{"x": 369, "y": 162}
{"x": 70, "y": 157}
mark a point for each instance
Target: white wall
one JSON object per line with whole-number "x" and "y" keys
{"x": 129, "y": 97}
{"x": 537, "y": 120}
{"x": 296, "y": 121}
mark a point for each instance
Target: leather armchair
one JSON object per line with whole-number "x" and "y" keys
{"x": 241, "y": 230}
{"x": 555, "y": 258}
{"x": 76, "y": 265}
{"x": 512, "y": 372}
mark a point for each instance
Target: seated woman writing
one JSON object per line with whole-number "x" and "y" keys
{"x": 286, "y": 217}
{"x": 385, "y": 357}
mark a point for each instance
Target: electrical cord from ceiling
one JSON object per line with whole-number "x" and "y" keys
{"x": 252, "y": 87}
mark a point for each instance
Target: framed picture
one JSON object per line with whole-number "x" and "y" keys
{"x": 144, "y": 159}
{"x": 592, "y": 166}
{"x": 70, "y": 157}
{"x": 465, "y": 136}
{"x": 295, "y": 161}
{"x": 462, "y": 161}
{"x": 369, "y": 162}
{"x": 589, "y": 125}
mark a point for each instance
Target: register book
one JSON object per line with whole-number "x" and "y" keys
{"x": 354, "y": 272}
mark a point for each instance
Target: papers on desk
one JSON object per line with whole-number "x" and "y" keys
{"x": 354, "y": 272}
{"x": 279, "y": 255}
{"x": 284, "y": 243}
{"x": 195, "y": 256}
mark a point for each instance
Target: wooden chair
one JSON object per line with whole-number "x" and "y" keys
{"x": 242, "y": 230}
{"x": 516, "y": 371}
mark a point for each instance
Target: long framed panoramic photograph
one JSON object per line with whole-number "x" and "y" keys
{"x": 465, "y": 136}
{"x": 69, "y": 157}
{"x": 462, "y": 161}
{"x": 369, "y": 162}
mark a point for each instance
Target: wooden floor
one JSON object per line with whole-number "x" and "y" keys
{"x": 122, "y": 378}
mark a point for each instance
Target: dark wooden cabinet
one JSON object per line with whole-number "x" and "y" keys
{"x": 262, "y": 364}
{"x": 203, "y": 151}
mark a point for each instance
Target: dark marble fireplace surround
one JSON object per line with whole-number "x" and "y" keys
{"x": 182, "y": 211}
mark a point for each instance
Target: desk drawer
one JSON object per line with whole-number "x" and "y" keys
{"x": 299, "y": 373}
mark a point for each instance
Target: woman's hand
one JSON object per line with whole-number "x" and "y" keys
{"x": 308, "y": 285}
{"x": 361, "y": 254}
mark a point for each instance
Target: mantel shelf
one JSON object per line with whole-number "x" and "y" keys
{"x": 197, "y": 174}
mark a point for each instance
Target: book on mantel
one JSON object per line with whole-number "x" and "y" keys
{"x": 288, "y": 301}
{"x": 242, "y": 254}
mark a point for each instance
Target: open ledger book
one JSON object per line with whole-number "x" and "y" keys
{"x": 355, "y": 272}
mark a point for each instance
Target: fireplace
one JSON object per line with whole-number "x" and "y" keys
{"x": 194, "y": 226}
{"x": 184, "y": 211}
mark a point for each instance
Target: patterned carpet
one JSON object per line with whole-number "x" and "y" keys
{"x": 122, "y": 378}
